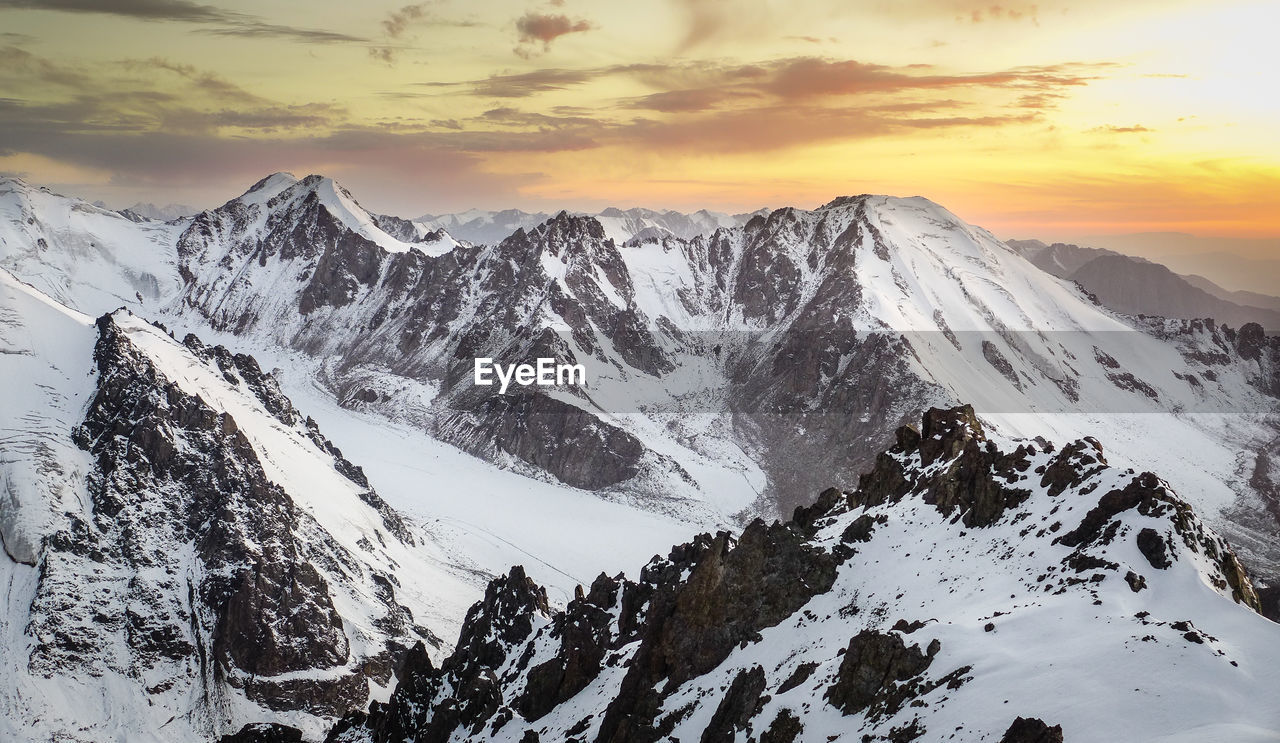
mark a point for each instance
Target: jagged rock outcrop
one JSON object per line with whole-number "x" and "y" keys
{"x": 874, "y": 667}
{"x": 193, "y": 575}
{"x": 1032, "y": 730}
{"x": 264, "y": 732}
{"x": 725, "y": 639}
{"x": 975, "y": 485}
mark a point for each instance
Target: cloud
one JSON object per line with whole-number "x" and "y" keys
{"x": 259, "y": 30}
{"x": 997, "y": 12}
{"x": 399, "y": 20}
{"x": 784, "y": 126}
{"x": 151, "y": 10}
{"x": 813, "y": 39}
{"x": 222, "y": 22}
{"x": 698, "y": 85}
{"x": 544, "y": 28}
{"x": 397, "y": 24}
{"x": 1112, "y": 129}
{"x": 763, "y": 21}
{"x": 204, "y": 81}
{"x": 812, "y": 76}
{"x": 19, "y": 65}
{"x": 528, "y": 83}
{"x": 711, "y": 18}
{"x": 145, "y": 102}
{"x": 681, "y": 101}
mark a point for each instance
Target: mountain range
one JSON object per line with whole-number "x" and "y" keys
{"x": 1140, "y": 287}
{"x": 478, "y": 226}
{"x": 248, "y": 479}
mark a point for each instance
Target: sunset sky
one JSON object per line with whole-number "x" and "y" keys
{"x": 1052, "y": 119}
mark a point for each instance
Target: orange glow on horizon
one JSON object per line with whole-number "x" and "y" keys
{"x": 1042, "y": 119}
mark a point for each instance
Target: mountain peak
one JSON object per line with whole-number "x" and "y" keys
{"x": 565, "y": 226}
{"x": 268, "y": 187}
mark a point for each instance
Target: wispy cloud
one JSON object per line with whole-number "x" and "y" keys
{"x": 397, "y": 24}
{"x": 220, "y": 22}
{"x": 699, "y": 85}
{"x": 1112, "y": 129}
{"x": 529, "y": 83}
{"x": 996, "y": 12}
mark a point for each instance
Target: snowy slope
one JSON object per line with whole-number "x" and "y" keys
{"x": 82, "y": 255}
{"x": 487, "y": 516}
{"x": 46, "y": 360}
{"x": 959, "y": 588}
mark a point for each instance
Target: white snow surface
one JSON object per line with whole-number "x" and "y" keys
{"x": 84, "y": 256}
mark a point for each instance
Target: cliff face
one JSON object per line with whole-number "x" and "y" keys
{"x": 949, "y": 593}
{"x": 215, "y": 557}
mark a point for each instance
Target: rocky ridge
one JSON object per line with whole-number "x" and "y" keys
{"x": 187, "y": 562}
{"x": 940, "y": 597}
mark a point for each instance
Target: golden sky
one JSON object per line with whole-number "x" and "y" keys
{"x": 1052, "y": 119}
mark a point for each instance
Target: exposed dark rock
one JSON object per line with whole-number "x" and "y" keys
{"x": 465, "y": 692}
{"x": 946, "y": 432}
{"x": 741, "y": 703}
{"x": 806, "y": 518}
{"x": 785, "y": 728}
{"x": 730, "y": 595}
{"x": 1072, "y": 465}
{"x": 1154, "y": 549}
{"x": 583, "y": 629}
{"x": 906, "y": 627}
{"x": 588, "y": 452}
{"x": 264, "y": 732}
{"x": 993, "y": 356}
{"x": 169, "y": 467}
{"x": 797, "y": 677}
{"x": 1250, "y": 341}
{"x": 1032, "y": 730}
{"x": 1145, "y": 487}
{"x": 859, "y": 530}
{"x": 974, "y": 485}
{"x": 873, "y": 670}
{"x": 1269, "y": 602}
{"x": 1127, "y": 381}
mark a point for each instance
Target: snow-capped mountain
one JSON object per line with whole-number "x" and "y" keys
{"x": 961, "y": 592}
{"x": 730, "y": 375}
{"x": 483, "y": 227}
{"x": 489, "y": 227}
{"x": 166, "y": 213}
{"x": 82, "y": 255}
{"x": 185, "y": 550}
{"x": 784, "y": 348}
